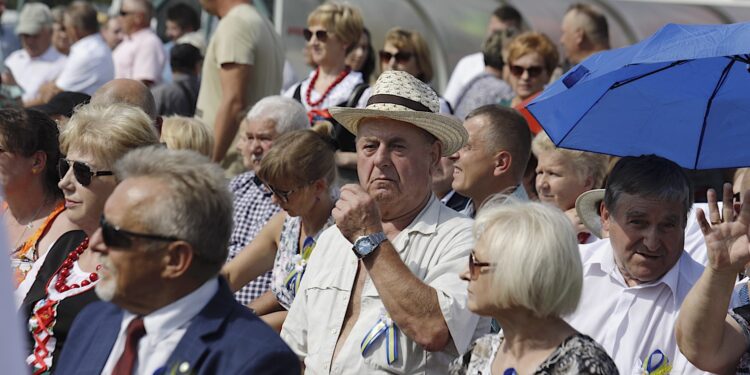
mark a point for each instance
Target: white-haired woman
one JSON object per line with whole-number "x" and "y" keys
{"x": 562, "y": 175}
{"x": 526, "y": 273}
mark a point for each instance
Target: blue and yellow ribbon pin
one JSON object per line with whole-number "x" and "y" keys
{"x": 384, "y": 327}
{"x": 657, "y": 364}
{"x": 294, "y": 278}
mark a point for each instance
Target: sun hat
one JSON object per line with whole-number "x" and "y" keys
{"x": 400, "y": 96}
{"x": 587, "y": 207}
{"x": 33, "y": 17}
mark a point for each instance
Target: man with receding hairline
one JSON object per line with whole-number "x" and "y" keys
{"x": 141, "y": 55}
{"x": 494, "y": 158}
{"x": 584, "y": 32}
{"x": 131, "y": 92}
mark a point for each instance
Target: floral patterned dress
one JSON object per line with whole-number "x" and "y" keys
{"x": 577, "y": 354}
{"x": 289, "y": 265}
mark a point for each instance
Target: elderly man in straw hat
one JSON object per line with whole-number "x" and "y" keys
{"x": 381, "y": 292}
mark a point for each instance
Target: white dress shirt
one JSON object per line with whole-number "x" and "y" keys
{"x": 435, "y": 247}
{"x": 32, "y": 72}
{"x": 164, "y": 330}
{"x": 89, "y": 66}
{"x": 632, "y": 322}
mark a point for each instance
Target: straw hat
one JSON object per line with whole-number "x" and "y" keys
{"x": 400, "y": 96}
{"x": 587, "y": 207}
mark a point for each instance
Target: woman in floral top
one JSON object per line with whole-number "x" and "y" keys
{"x": 299, "y": 172}
{"x": 526, "y": 273}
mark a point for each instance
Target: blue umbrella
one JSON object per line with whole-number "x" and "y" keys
{"x": 683, "y": 94}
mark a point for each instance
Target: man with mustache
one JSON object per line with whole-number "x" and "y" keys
{"x": 381, "y": 291}
{"x": 635, "y": 281}
{"x": 162, "y": 240}
{"x": 269, "y": 118}
{"x": 494, "y": 158}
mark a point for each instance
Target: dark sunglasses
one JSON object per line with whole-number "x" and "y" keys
{"x": 115, "y": 237}
{"x": 475, "y": 267}
{"x": 320, "y": 35}
{"x": 401, "y": 57}
{"x": 533, "y": 71}
{"x": 81, "y": 171}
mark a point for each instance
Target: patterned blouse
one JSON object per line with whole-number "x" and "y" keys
{"x": 577, "y": 354}
{"x": 289, "y": 258}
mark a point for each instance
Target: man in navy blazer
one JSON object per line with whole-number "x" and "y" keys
{"x": 162, "y": 241}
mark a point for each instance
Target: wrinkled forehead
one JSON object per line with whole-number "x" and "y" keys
{"x": 386, "y": 128}
{"x": 650, "y": 207}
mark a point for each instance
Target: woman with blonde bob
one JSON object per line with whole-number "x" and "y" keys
{"x": 187, "y": 133}
{"x": 94, "y": 138}
{"x": 562, "y": 175}
{"x": 526, "y": 273}
{"x": 298, "y": 172}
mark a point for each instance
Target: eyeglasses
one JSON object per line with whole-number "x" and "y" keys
{"x": 81, "y": 171}
{"x": 475, "y": 267}
{"x": 401, "y": 57}
{"x": 114, "y": 236}
{"x": 268, "y": 190}
{"x": 320, "y": 35}
{"x": 533, "y": 71}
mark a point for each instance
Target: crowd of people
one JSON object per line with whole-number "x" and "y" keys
{"x": 186, "y": 208}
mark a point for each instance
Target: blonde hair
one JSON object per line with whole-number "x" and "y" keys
{"x": 534, "y": 42}
{"x": 342, "y": 19}
{"x": 301, "y": 156}
{"x": 107, "y": 132}
{"x": 538, "y": 266}
{"x": 585, "y": 164}
{"x": 413, "y": 41}
{"x": 187, "y": 133}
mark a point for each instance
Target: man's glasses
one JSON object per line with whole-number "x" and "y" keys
{"x": 114, "y": 236}
{"x": 320, "y": 35}
{"x": 401, "y": 57}
{"x": 475, "y": 268}
{"x": 81, "y": 171}
{"x": 533, "y": 71}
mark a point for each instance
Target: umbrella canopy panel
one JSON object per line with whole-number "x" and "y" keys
{"x": 664, "y": 95}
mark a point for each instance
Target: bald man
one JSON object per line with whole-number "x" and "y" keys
{"x": 131, "y": 92}
{"x": 141, "y": 55}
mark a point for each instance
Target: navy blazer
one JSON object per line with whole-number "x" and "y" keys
{"x": 224, "y": 338}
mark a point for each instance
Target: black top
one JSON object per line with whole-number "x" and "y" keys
{"x": 69, "y": 307}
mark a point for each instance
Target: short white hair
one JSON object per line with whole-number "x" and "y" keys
{"x": 538, "y": 265}
{"x": 288, "y": 114}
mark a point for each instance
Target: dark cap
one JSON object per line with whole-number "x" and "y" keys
{"x": 63, "y": 103}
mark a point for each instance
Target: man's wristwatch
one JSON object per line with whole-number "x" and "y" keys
{"x": 365, "y": 245}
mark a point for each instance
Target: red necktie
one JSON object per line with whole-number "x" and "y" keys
{"x": 125, "y": 364}
{"x": 583, "y": 237}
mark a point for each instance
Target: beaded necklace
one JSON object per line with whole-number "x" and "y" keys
{"x": 314, "y": 79}
{"x": 64, "y": 272}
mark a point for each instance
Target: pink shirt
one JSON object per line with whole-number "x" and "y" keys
{"x": 140, "y": 56}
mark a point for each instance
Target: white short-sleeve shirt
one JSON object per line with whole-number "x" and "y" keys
{"x": 632, "y": 322}
{"x": 89, "y": 66}
{"x": 435, "y": 247}
{"x": 32, "y": 72}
